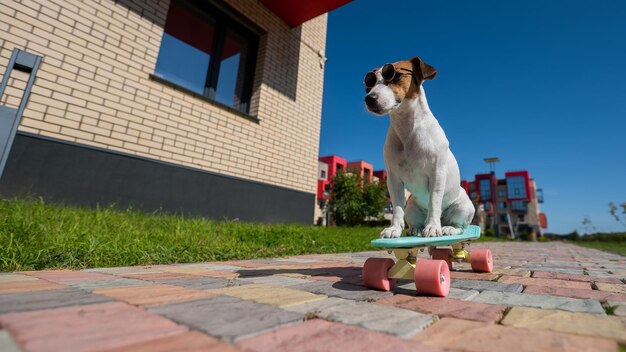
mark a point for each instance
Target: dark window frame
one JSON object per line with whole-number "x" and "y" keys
{"x": 485, "y": 192}
{"x": 224, "y": 19}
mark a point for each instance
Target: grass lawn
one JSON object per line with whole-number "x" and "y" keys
{"x": 38, "y": 235}
{"x": 607, "y": 246}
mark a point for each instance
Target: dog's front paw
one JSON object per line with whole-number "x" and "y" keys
{"x": 391, "y": 232}
{"x": 451, "y": 230}
{"x": 432, "y": 231}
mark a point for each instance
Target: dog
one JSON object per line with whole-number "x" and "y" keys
{"x": 417, "y": 154}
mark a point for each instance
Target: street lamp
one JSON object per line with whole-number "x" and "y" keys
{"x": 492, "y": 169}
{"x": 492, "y": 163}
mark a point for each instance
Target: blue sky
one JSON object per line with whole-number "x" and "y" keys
{"x": 540, "y": 84}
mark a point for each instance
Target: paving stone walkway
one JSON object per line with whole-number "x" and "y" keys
{"x": 540, "y": 297}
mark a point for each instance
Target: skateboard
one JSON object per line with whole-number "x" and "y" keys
{"x": 432, "y": 277}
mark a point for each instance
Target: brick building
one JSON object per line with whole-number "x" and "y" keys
{"x": 510, "y": 205}
{"x": 202, "y": 107}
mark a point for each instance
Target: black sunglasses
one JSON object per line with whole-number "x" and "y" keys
{"x": 388, "y": 72}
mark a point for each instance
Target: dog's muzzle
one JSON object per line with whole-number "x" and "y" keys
{"x": 371, "y": 100}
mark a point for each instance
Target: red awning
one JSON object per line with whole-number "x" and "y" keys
{"x": 296, "y": 12}
{"x": 543, "y": 220}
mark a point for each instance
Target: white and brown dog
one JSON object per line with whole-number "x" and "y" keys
{"x": 417, "y": 154}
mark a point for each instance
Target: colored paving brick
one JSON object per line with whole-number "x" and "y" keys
{"x": 204, "y": 283}
{"x": 319, "y": 335}
{"x": 540, "y": 301}
{"x": 544, "y": 282}
{"x": 342, "y": 290}
{"x": 192, "y": 341}
{"x": 556, "y": 270}
{"x": 621, "y": 275}
{"x": 295, "y": 275}
{"x": 83, "y": 328}
{"x": 35, "y": 300}
{"x": 6, "y": 342}
{"x": 463, "y": 295}
{"x": 482, "y": 285}
{"x": 64, "y": 276}
{"x": 158, "y": 276}
{"x": 568, "y": 322}
{"x": 575, "y": 293}
{"x": 617, "y": 288}
{"x": 468, "y": 275}
{"x": 408, "y": 288}
{"x": 355, "y": 280}
{"x": 199, "y": 271}
{"x": 573, "y": 277}
{"x": 474, "y": 336}
{"x": 276, "y": 280}
{"x": 116, "y": 282}
{"x": 152, "y": 294}
{"x": 512, "y": 272}
{"x": 209, "y": 306}
{"x": 126, "y": 270}
{"x": 267, "y": 294}
{"x": 228, "y": 318}
{"x": 446, "y": 307}
{"x": 390, "y": 320}
{"x": 214, "y": 266}
{"x": 16, "y": 277}
{"x": 22, "y": 285}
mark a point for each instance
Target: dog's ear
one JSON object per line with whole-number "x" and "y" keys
{"x": 424, "y": 70}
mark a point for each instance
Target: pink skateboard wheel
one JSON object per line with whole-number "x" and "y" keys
{"x": 432, "y": 277}
{"x": 375, "y": 274}
{"x": 481, "y": 260}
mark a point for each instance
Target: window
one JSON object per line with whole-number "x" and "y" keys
{"x": 516, "y": 187}
{"x": 206, "y": 52}
{"x": 327, "y": 189}
{"x": 501, "y": 194}
{"x": 323, "y": 174}
{"x": 539, "y": 193}
{"x": 485, "y": 189}
{"x": 502, "y": 205}
{"x": 503, "y": 218}
{"x": 518, "y": 205}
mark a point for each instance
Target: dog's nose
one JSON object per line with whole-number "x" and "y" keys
{"x": 370, "y": 99}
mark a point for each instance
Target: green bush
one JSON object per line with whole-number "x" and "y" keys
{"x": 353, "y": 200}
{"x": 572, "y": 236}
{"x": 374, "y": 199}
{"x": 605, "y": 237}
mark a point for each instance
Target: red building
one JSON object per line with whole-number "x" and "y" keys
{"x": 509, "y": 205}
{"x": 361, "y": 168}
{"x": 381, "y": 175}
{"x": 485, "y": 185}
{"x": 334, "y": 163}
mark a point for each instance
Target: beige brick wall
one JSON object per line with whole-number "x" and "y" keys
{"x": 93, "y": 88}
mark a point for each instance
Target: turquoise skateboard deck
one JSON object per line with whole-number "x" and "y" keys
{"x": 472, "y": 232}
